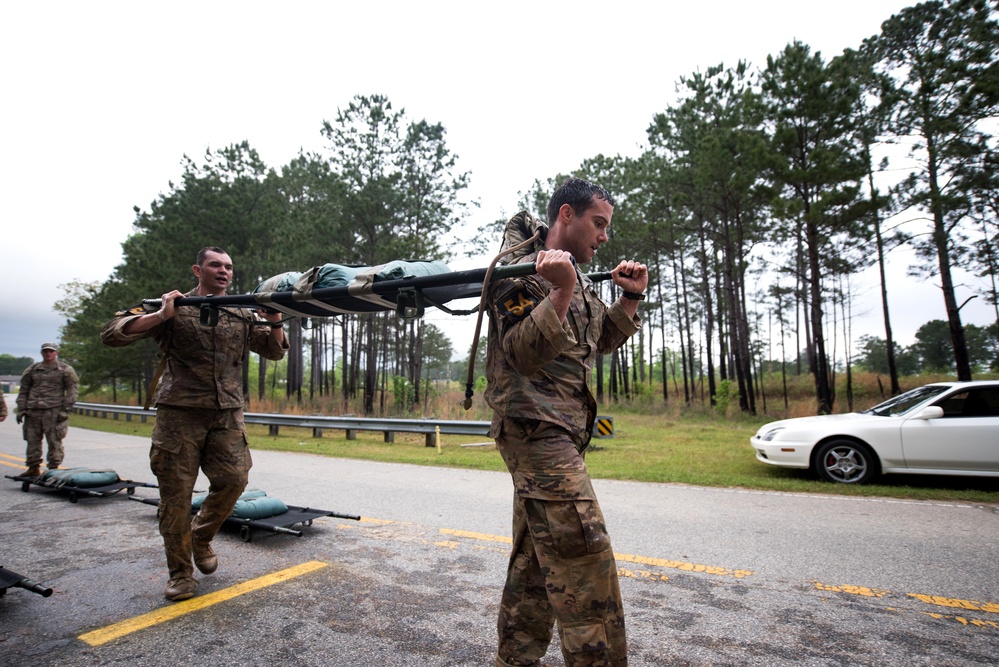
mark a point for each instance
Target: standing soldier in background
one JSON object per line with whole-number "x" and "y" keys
{"x": 3, "y": 406}
{"x": 47, "y": 394}
{"x": 545, "y": 332}
{"x": 199, "y": 411}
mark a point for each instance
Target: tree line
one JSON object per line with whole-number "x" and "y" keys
{"x": 762, "y": 193}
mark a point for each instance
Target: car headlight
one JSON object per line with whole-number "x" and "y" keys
{"x": 771, "y": 434}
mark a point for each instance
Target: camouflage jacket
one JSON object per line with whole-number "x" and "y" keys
{"x": 204, "y": 364}
{"x": 536, "y": 367}
{"x": 45, "y": 386}
{"x": 3, "y": 404}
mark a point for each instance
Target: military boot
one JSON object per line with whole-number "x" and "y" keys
{"x": 204, "y": 525}
{"x": 182, "y": 584}
{"x": 204, "y": 557}
{"x": 33, "y": 471}
{"x": 180, "y": 588}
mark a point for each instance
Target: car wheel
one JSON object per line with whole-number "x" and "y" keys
{"x": 846, "y": 462}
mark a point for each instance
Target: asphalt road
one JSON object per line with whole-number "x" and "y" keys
{"x": 709, "y": 576}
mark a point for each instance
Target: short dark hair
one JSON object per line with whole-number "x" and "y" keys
{"x": 200, "y": 261}
{"x": 577, "y": 193}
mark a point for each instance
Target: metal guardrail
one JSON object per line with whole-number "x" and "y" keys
{"x": 318, "y": 423}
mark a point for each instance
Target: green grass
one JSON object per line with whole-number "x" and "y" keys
{"x": 647, "y": 448}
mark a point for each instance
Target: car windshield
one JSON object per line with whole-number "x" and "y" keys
{"x": 902, "y": 403}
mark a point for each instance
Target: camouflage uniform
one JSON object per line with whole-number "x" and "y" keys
{"x": 562, "y": 567}
{"x": 3, "y": 405}
{"x": 47, "y": 394}
{"x": 199, "y": 420}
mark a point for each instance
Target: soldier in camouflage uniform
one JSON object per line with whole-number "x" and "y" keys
{"x": 199, "y": 415}
{"x": 47, "y": 394}
{"x": 3, "y": 406}
{"x": 544, "y": 334}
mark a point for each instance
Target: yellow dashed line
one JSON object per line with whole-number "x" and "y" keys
{"x": 642, "y": 574}
{"x": 628, "y": 558}
{"x": 852, "y": 590}
{"x": 974, "y": 622}
{"x": 685, "y": 567}
{"x": 485, "y": 537}
{"x": 971, "y": 605}
{"x": 126, "y": 627}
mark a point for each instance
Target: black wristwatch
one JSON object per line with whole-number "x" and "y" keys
{"x": 634, "y": 296}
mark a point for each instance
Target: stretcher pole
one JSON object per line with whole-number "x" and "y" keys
{"x": 381, "y": 288}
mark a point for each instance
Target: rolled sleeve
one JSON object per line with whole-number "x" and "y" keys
{"x": 537, "y": 339}
{"x": 619, "y": 326}
{"x": 113, "y": 334}
{"x": 558, "y": 334}
{"x": 267, "y": 347}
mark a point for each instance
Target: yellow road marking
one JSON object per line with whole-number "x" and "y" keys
{"x": 377, "y": 522}
{"x": 971, "y": 605}
{"x": 628, "y": 558}
{"x": 485, "y": 537}
{"x": 975, "y": 622}
{"x": 685, "y": 567}
{"x": 853, "y": 590}
{"x": 642, "y": 574}
{"x": 126, "y": 627}
{"x": 11, "y": 457}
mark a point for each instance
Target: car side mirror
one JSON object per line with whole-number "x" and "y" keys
{"x": 931, "y": 412}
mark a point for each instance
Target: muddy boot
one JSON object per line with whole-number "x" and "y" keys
{"x": 33, "y": 471}
{"x": 204, "y": 525}
{"x": 204, "y": 557}
{"x": 182, "y": 584}
{"x": 180, "y": 588}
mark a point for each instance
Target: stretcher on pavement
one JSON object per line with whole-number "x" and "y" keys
{"x": 256, "y": 511}
{"x": 78, "y": 482}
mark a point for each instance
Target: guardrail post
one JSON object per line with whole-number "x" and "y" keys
{"x": 272, "y": 429}
{"x": 431, "y": 440}
{"x": 351, "y": 434}
{"x": 389, "y": 436}
{"x": 317, "y": 433}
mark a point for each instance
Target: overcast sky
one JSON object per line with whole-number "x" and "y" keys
{"x": 101, "y": 100}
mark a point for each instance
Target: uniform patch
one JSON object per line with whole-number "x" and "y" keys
{"x": 517, "y": 305}
{"x": 136, "y": 310}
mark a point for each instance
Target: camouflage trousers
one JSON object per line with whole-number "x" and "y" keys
{"x": 184, "y": 441}
{"x": 53, "y": 423}
{"x": 562, "y": 570}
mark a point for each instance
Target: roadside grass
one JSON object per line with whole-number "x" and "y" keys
{"x": 692, "y": 449}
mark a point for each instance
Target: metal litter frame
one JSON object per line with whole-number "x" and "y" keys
{"x": 279, "y": 523}
{"x": 75, "y": 492}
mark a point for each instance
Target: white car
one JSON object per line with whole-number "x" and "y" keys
{"x": 945, "y": 428}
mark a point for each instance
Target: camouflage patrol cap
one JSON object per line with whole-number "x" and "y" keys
{"x": 50, "y": 346}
